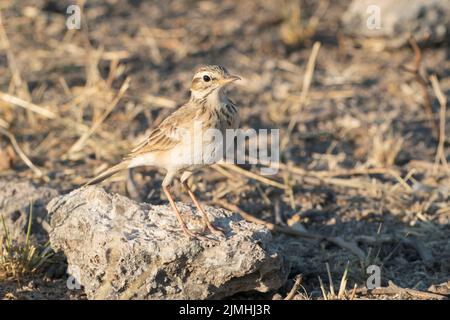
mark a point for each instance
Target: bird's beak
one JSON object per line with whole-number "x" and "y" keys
{"x": 229, "y": 79}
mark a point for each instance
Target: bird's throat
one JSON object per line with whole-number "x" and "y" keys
{"x": 211, "y": 98}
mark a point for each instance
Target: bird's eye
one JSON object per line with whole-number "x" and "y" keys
{"x": 206, "y": 78}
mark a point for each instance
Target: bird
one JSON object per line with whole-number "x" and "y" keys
{"x": 174, "y": 145}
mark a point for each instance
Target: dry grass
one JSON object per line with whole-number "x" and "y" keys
{"x": 342, "y": 294}
{"x": 359, "y": 137}
{"x": 21, "y": 260}
{"x": 385, "y": 147}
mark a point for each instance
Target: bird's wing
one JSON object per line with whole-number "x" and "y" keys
{"x": 169, "y": 133}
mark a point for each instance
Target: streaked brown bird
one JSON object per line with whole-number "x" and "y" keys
{"x": 189, "y": 139}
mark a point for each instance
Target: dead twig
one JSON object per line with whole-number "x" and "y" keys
{"x": 270, "y": 226}
{"x": 393, "y": 289}
{"x": 27, "y": 105}
{"x": 4, "y": 124}
{"x": 328, "y": 177}
{"x": 352, "y": 296}
{"x": 350, "y": 246}
{"x": 421, "y": 80}
{"x": 307, "y": 79}
{"x": 253, "y": 175}
{"x": 19, "y": 151}
{"x": 295, "y": 287}
{"x": 424, "y": 252}
{"x": 330, "y": 279}
{"x": 440, "y": 154}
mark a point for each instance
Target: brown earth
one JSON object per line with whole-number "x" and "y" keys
{"x": 359, "y": 164}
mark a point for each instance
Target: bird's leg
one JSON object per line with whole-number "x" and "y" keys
{"x": 208, "y": 223}
{"x": 179, "y": 217}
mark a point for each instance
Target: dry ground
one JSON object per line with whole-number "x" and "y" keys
{"x": 359, "y": 165}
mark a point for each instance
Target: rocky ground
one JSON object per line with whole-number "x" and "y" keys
{"x": 363, "y": 166}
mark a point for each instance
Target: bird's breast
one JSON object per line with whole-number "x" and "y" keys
{"x": 203, "y": 144}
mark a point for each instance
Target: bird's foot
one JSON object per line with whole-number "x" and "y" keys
{"x": 193, "y": 235}
{"x": 218, "y": 232}
{"x": 200, "y": 235}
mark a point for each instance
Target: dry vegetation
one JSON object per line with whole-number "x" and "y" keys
{"x": 364, "y": 177}
{"x": 17, "y": 260}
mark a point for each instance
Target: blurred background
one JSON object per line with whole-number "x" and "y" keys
{"x": 358, "y": 90}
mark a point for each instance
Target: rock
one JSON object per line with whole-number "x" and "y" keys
{"x": 15, "y": 199}
{"x": 428, "y": 21}
{"x": 120, "y": 249}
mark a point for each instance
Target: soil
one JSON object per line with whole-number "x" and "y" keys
{"x": 360, "y": 161}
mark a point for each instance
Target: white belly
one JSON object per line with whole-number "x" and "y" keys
{"x": 189, "y": 156}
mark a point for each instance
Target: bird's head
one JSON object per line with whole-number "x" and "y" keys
{"x": 210, "y": 79}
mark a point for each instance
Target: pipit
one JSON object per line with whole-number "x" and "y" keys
{"x": 187, "y": 140}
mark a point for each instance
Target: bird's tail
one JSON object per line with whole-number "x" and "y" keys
{"x": 108, "y": 173}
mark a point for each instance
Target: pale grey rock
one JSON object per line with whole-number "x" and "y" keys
{"x": 15, "y": 198}
{"x": 399, "y": 19}
{"x": 120, "y": 249}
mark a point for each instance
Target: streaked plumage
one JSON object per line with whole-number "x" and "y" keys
{"x": 170, "y": 145}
